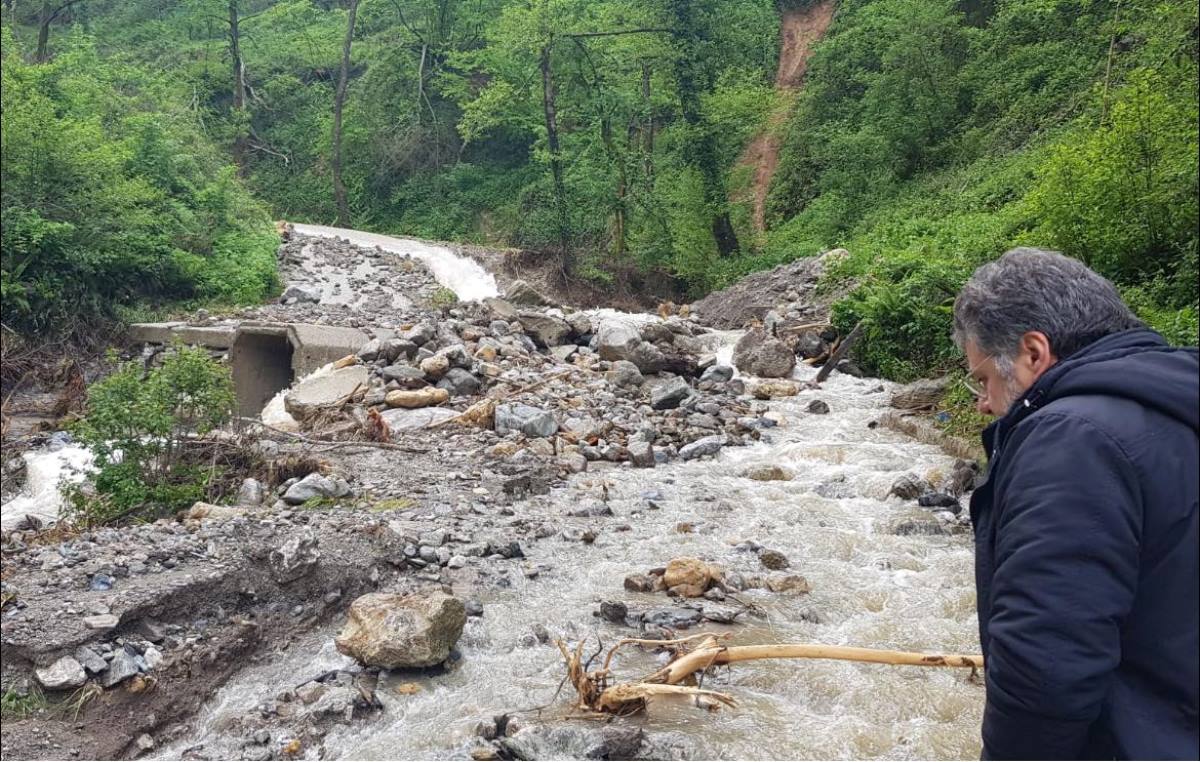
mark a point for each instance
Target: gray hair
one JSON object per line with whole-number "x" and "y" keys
{"x": 1037, "y": 290}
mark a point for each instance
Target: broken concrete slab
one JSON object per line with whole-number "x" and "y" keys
{"x": 314, "y": 394}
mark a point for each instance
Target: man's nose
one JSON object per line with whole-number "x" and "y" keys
{"x": 981, "y": 404}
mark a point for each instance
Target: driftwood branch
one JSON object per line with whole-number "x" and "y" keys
{"x": 838, "y": 354}
{"x": 694, "y": 656}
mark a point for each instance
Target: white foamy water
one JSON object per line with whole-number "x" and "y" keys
{"x": 46, "y": 472}
{"x": 465, "y": 277}
{"x": 833, "y": 520}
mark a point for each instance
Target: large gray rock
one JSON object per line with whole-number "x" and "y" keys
{"x": 920, "y": 395}
{"x": 123, "y": 666}
{"x": 718, "y": 374}
{"x": 405, "y": 375}
{"x": 297, "y": 556}
{"x": 520, "y": 292}
{"x": 526, "y": 419}
{"x": 301, "y": 292}
{"x": 501, "y": 309}
{"x": 615, "y": 339}
{"x": 251, "y": 492}
{"x": 760, "y": 354}
{"x": 624, "y": 374}
{"x": 395, "y": 631}
{"x": 669, "y": 394}
{"x": 312, "y": 395}
{"x": 545, "y": 330}
{"x": 709, "y": 445}
{"x": 459, "y": 382}
{"x": 63, "y": 674}
{"x": 576, "y": 741}
{"x": 316, "y": 485}
{"x": 648, "y": 358}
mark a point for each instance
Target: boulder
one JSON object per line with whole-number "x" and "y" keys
{"x": 624, "y": 374}
{"x": 301, "y": 292}
{"x": 771, "y": 389}
{"x": 123, "y": 666}
{"x": 314, "y": 394}
{"x": 909, "y": 487}
{"x": 414, "y": 398}
{"x": 435, "y": 367}
{"x": 773, "y": 559}
{"x": 575, "y": 741}
{"x": 421, "y": 333}
{"x": 768, "y": 474}
{"x": 669, "y": 394}
{"x": 718, "y": 374}
{"x": 296, "y": 557}
{"x": 251, "y": 492}
{"x": 709, "y": 445}
{"x": 690, "y": 574}
{"x": 457, "y": 355}
{"x": 316, "y": 485}
{"x": 396, "y": 631}
{"x": 650, "y": 359}
{"x": 500, "y": 309}
{"x": 405, "y": 375}
{"x": 920, "y": 395}
{"x": 62, "y": 675}
{"x": 392, "y": 349}
{"x": 526, "y": 419}
{"x": 615, "y": 339}
{"x": 545, "y": 330}
{"x": 459, "y": 383}
{"x": 641, "y": 454}
{"x": 760, "y": 354}
{"x": 818, "y": 407}
{"x": 520, "y": 292}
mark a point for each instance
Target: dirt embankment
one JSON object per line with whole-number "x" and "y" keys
{"x": 799, "y": 29}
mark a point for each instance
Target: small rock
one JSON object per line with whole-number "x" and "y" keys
{"x": 145, "y": 742}
{"x": 101, "y": 621}
{"x": 416, "y": 398}
{"x": 768, "y": 474}
{"x": 669, "y": 394}
{"x": 122, "y": 667}
{"x": 773, "y": 559}
{"x": 525, "y": 419}
{"x": 639, "y": 583}
{"x": 614, "y": 611}
{"x": 818, "y": 407}
{"x": 788, "y": 583}
{"x": 709, "y": 445}
{"x": 65, "y": 673}
{"x": 909, "y": 487}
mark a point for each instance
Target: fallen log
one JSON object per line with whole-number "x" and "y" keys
{"x": 839, "y": 354}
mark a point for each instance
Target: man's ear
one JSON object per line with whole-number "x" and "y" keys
{"x": 1036, "y": 352}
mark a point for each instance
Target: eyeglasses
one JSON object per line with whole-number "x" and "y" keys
{"x": 969, "y": 382}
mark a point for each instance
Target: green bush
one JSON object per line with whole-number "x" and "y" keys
{"x": 113, "y": 196}
{"x": 140, "y": 427}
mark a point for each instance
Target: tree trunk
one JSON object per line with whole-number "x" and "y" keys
{"x": 703, "y": 153}
{"x": 43, "y": 41}
{"x": 647, "y": 129}
{"x": 239, "y": 83}
{"x": 339, "y": 100}
{"x": 550, "y": 112}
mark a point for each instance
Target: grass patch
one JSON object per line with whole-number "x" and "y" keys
{"x": 15, "y": 705}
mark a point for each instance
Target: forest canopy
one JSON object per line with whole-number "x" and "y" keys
{"x": 147, "y": 144}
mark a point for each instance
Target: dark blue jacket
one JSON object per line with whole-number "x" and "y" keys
{"x": 1086, "y": 558}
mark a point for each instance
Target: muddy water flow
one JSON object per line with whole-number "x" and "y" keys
{"x": 834, "y": 522}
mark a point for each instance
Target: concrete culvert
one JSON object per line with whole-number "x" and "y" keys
{"x": 262, "y": 366}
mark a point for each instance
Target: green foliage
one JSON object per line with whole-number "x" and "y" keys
{"x": 443, "y": 297}
{"x": 112, "y": 195}
{"x": 1122, "y": 196}
{"x": 17, "y": 706}
{"x": 139, "y": 426}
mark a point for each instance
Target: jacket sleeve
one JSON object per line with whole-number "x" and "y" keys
{"x": 1066, "y": 567}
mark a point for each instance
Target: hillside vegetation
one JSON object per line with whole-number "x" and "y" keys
{"x": 144, "y": 139}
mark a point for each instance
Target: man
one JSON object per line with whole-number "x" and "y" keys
{"x": 1086, "y": 530}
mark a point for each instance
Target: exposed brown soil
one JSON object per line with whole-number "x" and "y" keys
{"x": 799, "y": 28}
